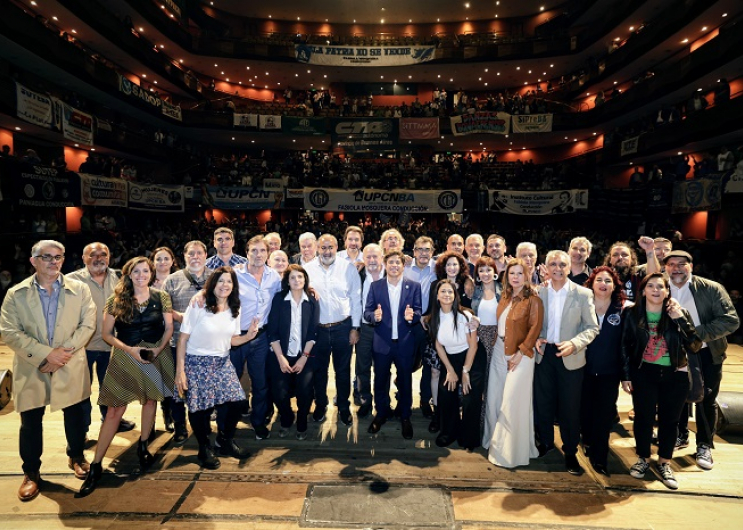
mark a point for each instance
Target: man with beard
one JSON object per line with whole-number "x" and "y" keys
{"x": 338, "y": 287}
{"x": 353, "y": 239}
{"x": 182, "y": 286}
{"x": 623, "y": 260}
{"x": 496, "y": 247}
{"x": 101, "y": 280}
{"x": 715, "y": 318}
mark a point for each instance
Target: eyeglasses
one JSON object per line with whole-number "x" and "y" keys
{"x": 423, "y": 250}
{"x": 50, "y": 257}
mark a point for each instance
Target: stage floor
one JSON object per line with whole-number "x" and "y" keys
{"x": 343, "y": 477}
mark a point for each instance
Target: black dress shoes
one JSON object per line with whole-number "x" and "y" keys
{"x": 426, "y": 410}
{"x": 364, "y": 410}
{"x": 572, "y": 465}
{"x": 444, "y": 441}
{"x": 126, "y": 425}
{"x": 544, "y": 450}
{"x": 346, "y": 417}
{"x": 407, "y": 429}
{"x": 600, "y": 469}
{"x": 376, "y": 424}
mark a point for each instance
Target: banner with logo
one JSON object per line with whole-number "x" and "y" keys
{"x": 42, "y": 186}
{"x": 297, "y": 193}
{"x": 734, "y": 184}
{"x": 102, "y": 191}
{"x": 156, "y": 197}
{"x": 245, "y": 120}
{"x": 363, "y": 134}
{"x": 302, "y": 126}
{"x": 629, "y": 146}
{"x": 269, "y": 123}
{"x": 537, "y": 202}
{"x": 75, "y": 124}
{"x": 697, "y": 195}
{"x": 419, "y": 129}
{"x": 273, "y": 185}
{"x": 238, "y": 198}
{"x": 481, "y": 122}
{"x": 133, "y": 91}
{"x": 172, "y": 111}
{"x": 363, "y": 55}
{"x": 34, "y": 107}
{"x": 383, "y": 201}
{"x": 531, "y": 123}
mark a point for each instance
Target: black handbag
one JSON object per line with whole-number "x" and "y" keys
{"x": 694, "y": 366}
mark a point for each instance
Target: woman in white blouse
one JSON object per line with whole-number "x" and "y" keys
{"x": 463, "y": 360}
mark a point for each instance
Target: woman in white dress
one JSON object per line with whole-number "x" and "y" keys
{"x": 509, "y": 415}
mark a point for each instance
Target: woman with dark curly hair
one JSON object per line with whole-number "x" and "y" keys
{"x": 204, "y": 373}
{"x": 603, "y": 367}
{"x": 143, "y": 320}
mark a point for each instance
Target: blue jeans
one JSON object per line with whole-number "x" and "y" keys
{"x": 335, "y": 341}
{"x": 99, "y": 358}
{"x": 254, "y": 353}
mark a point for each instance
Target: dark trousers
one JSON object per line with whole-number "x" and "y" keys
{"x": 557, "y": 393}
{"x": 364, "y": 361}
{"x": 333, "y": 341}
{"x": 99, "y": 359}
{"x": 597, "y": 411}
{"x": 176, "y": 409}
{"x": 403, "y": 361}
{"x": 281, "y": 387}
{"x": 465, "y": 429}
{"x": 201, "y": 421}
{"x": 660, "y": 387}
{"x": 31, "y": 437}
{"x": 706, "y": 412}
{"x": 255, "y": 354}
{"x": 421, "y": 343}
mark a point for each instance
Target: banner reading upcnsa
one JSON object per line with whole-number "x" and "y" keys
{"x": 363, "y": 55}
{"x": 538, "y": 202}
{"x": 384, "y": 201}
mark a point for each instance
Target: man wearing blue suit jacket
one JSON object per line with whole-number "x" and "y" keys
{"x": 393, "y": 307}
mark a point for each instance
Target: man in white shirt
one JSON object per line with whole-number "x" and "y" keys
{"x": 353, "y": 239}
{"x": 372, "y": 271}
{"x": 338, "y": 286}
{"x": 569, "y": 326}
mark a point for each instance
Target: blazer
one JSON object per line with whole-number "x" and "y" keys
{"x": 579, "y": 324}
{"x": 23, "y": 327}
{"x": 410, "y": 295}
{"x": 280, "y": 321}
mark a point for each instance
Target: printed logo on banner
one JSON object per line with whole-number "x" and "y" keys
{"x": 448, "y": 200}
{"x": 320, "y": 198}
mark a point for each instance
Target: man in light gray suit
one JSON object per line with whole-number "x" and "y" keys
{"x": 569, "y": 326}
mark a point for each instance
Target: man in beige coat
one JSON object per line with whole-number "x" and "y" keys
{"x": 46, "y": 320}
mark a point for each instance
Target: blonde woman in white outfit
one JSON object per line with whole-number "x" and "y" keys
{"x": 509, "y": 416}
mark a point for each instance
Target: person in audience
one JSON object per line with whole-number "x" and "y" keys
{"x": 278, "y": 261}
{"x": 508, "y": 432}
{"x": 165, "y": 265}
{"x": 141, "y": 367}
{"x": 527, "y": 252}
{"x": 307, "y": 249}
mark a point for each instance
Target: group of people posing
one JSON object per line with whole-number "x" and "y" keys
{"x": 508, "y": 345}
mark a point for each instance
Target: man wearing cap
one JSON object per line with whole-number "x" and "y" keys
{"x": 715, "y": 318}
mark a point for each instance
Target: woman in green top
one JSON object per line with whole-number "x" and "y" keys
{"x": 655, "y": 370}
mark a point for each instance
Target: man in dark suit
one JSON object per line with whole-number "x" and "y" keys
{"x": 393, "y": 307}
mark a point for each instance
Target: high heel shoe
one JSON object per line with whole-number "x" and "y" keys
{"x": 145, "y": 457}
{"x": 91, "y": 481}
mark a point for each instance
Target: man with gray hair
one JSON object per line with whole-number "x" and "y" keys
{"x": 474, "y": 245}
{"x": 307, "y": 249}
{"x": 47, "y": 319}
{"x": 528, "y": 252}
{"x": 569, "y": 325}
{"x": 579, "y": 250}
{"x": 101, "y": 280}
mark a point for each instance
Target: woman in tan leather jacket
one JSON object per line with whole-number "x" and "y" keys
{"x": 509, "y": 415}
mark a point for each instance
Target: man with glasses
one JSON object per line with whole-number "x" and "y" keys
{"x": 423, "y": 271}
{"x": 47, "y": 319}
{"x": 101, "y": 280}
{"x": 715, "y": 318}
{"x": 338, "y": 286}
{"x": 182, "y": 285}
{"x": 224, "y": 242}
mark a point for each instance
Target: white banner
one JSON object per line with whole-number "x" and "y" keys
{"x": 735, "y": 182}
{"x": 296, "y": 193}
{"x": 102, "y": 191}
{"x": 538, "y": 202}
{"x": 269, "y": 123}
{"x": 156, "y": 197}
{"x": 33, "y": 107}
{"x": 481, "y": 122}
{"x": 629, "y": 146}
{"x": 245, "y": 120}
{"x": 74, "y": 124}
{"x": 172, "y": 111}
{"x": 273, "y": 185}
{"x": 531, "y": 123}
{"x": 363, "y": 55}
{"x": 374, "y": 200}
